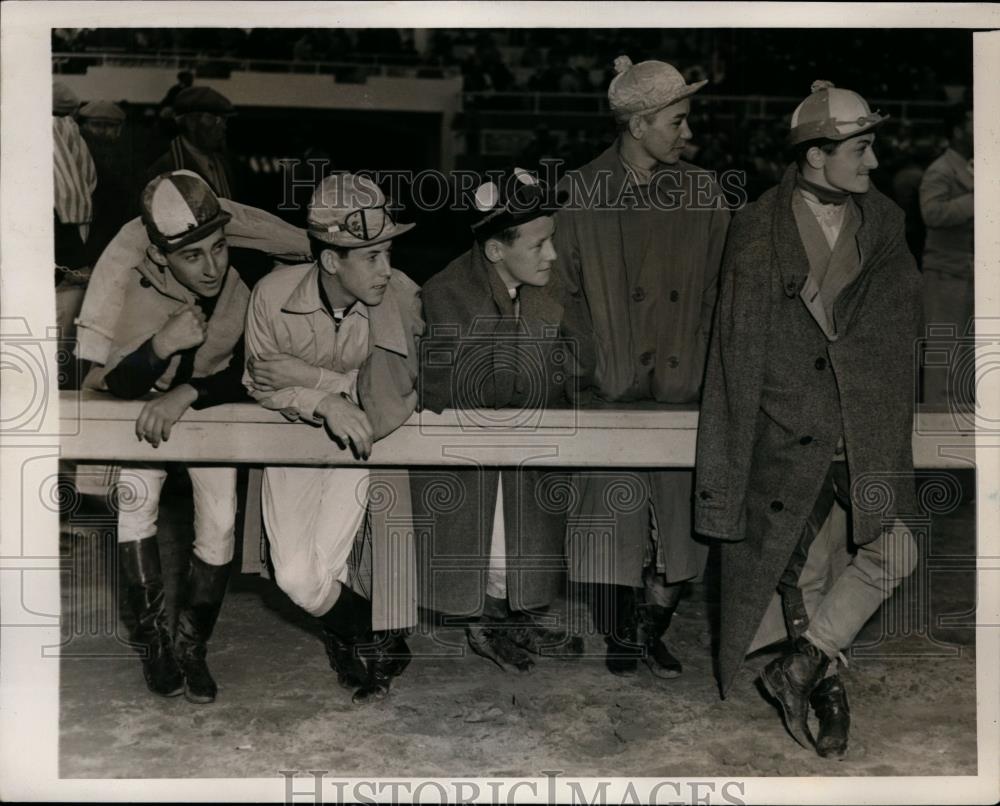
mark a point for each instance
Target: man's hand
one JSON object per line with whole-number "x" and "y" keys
{"x": 183, "y": 330}
{"x": 274, "y": 371}
{"x": 158, "y": 416}
{"x": 347, "y": 423}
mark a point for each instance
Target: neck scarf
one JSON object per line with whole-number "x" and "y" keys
{"x": 824, "y": 194}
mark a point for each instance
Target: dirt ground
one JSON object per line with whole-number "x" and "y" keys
{"x": 455, "y": 714}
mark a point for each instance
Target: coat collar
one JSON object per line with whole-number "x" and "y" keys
{"x": 385, "y": 319}
{"x": 536, "y": 304}
{"x": 791, "y": 255}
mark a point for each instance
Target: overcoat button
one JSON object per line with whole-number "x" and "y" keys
{"x": 820, "y": 363}
{"x": 777, "y": 506}
{"x": 805, "y": 440}
{"x": 705, "y": 495}
{"x": 645, "y": 358}
{"x": 674, "y": 296}
{"x": 673, "y": 362}
{"x": 638, "y": 294}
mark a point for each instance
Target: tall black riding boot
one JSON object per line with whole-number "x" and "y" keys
{"x": 139, "y": 564}
{"x": 616, "y": 616}
{"x": 791, "y": 680}
{"x": 201, "y": 601}
{"x": 386, "y": 657}
{"x": 345, "y": 625}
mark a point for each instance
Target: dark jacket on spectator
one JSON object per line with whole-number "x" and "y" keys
{"x": 476, "y": 354}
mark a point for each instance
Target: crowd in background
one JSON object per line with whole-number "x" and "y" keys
{"x": 736, "y": 61}
{"x": 727, "y": 136}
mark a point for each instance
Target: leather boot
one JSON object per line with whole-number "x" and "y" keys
{"x": 615, "y": 615}
{"x": 493, "y": 643}
{"x": 660, "y": 660}
{"x": 345, "y": 625}
{"x": 201, "y": 601}
{"x": 490, "y": 637}
{"x": 139, "y": 563}
{"x": 791, "y": 680}
{"x": 528, "y": 634}
{"x": 386, "y": 657}
{"x": 829, "y": 700}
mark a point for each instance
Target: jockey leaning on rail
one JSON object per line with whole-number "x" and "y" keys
{"x": 177, "y": 332}
{"x": 512, "y": 340}
{"x": 333, "y": 343}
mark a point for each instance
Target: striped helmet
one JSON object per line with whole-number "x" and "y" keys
{"x": 832, "y": 114}
{"x": 179, "y": 208}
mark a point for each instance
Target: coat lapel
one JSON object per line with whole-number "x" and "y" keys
{"x": 793, "y": 263}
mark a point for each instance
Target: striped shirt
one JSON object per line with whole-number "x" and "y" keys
{"x": 74, "y": 173}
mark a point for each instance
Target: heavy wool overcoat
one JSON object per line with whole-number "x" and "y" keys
{"x": 778, "y": 395}
{"x": 476, "y": 354}
{"x": 648, "y": 270}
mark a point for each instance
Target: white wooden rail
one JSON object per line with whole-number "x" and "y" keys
{"x": 98, "y": 427}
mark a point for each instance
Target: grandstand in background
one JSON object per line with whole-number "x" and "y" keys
{"x": 417, "y": 99}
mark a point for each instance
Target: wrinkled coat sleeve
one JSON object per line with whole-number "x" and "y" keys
{"x": 387, "y": 381}
{"x": 939, "y": 205}
{"x": 732, "y": 389}
{"x": 294, "y": 402}
{"x": 577, "y": 325}
{"x": 439, "y": 346}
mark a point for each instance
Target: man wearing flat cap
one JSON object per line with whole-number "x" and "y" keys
{"x": 641, "y": 240}
{"x": 808, "y": 404}
{"x": 201, "y": 115}
{"x": 501, "y": 334}
{"x": 101, "y": 124}
{"x": 333, "y": 344}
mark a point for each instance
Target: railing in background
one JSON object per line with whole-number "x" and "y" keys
{"x": 358, "y": 68}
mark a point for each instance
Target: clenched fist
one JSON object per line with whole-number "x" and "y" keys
{"x": 183, "y": 330}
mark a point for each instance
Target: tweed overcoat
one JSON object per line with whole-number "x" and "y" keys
{"x": 778, "y": 395}
{"x": 476, "y": 355}
{"x": 649, "y": 275}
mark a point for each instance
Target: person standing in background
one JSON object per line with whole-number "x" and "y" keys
{"x": 201, "y": 115}
{"x": 101, "y": 124}
{"x": 947, "y": 203}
